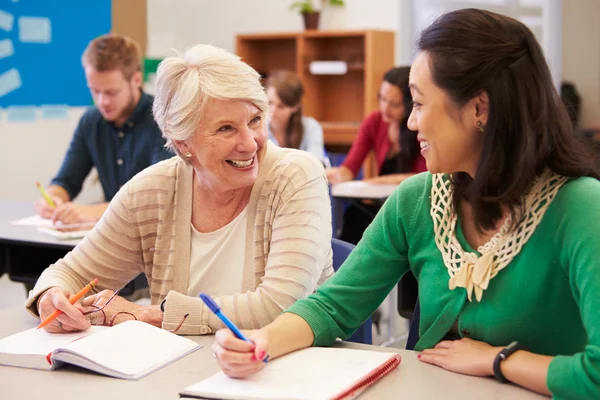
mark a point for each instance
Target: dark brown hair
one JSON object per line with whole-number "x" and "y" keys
{"x": 409, "y": 146}
{"x": 290, "y": 90}
{"x": 528, "y": 129}
{"x": 113, "y": 51}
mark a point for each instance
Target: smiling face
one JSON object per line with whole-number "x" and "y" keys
{"x": 226, "y": 146}
{"x": 448, "y": 134}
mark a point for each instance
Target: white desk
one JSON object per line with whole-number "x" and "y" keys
{"x": 13, "y": 234}
{"x": 362, "y": 190}
{"x": 25, "y": 252}
{"x": 411, "y": 380}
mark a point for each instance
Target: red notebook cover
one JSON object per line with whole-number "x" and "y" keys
{"x": 375, "y": 375}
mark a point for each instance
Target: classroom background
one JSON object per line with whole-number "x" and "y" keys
{"x": 43, "y": 92}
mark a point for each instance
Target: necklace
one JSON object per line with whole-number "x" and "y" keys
{"x": 473, "y": 272}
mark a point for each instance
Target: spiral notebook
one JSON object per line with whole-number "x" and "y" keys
{"x": 313, "y": 373}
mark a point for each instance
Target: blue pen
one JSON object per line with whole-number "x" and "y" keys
{"x": 210, "y": 303}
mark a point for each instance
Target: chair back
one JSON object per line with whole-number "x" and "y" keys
{"x": 341, "y": 250}
{"x": 413, "y": 333}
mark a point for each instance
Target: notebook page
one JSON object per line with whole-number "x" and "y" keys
{"x": 29, "y": 348}
{"x": 39, "y": 342}
{"x": 33, "y": 220}
{"x": 64, "y": 235}
{"x": 128, "y": 350}
{"x": 313, "y": 373}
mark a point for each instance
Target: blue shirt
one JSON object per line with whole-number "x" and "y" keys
{"x": 117, "y": 153}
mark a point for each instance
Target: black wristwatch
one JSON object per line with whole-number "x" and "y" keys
{"x": 503, "y": 355}
{"x": 162, "y": 305}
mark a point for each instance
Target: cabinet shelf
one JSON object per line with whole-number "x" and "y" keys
{"x": 338, "y": 102}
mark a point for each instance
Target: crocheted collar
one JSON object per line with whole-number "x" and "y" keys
{"x": 469, "y": 270}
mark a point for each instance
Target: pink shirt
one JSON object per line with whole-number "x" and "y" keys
{"x": 373, "y": 135}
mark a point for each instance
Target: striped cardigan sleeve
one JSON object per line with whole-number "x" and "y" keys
{"x": 294, "y": 216}
{"x": 111, "y": 252}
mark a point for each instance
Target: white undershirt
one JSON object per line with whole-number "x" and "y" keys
{"x": 217, "y": 259}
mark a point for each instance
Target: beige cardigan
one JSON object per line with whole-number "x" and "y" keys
{"x": 147, "y": 227}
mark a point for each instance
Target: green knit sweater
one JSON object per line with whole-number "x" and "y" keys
{"x": 547, "y": 298}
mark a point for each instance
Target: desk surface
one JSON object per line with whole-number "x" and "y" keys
{"x": 362, "y": 190}
{"x": 14, "y": 210}
{"x": 411, "y": 380}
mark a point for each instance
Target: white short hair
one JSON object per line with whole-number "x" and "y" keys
{"x": 184, "y": 84}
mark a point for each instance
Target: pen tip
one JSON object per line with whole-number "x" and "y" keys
{"x": 37, "y": 183}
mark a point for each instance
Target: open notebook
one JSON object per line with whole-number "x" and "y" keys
{"x": 130, "y": 350}
{"x": 313, "y": 373}
{"x": 63, "y": 235}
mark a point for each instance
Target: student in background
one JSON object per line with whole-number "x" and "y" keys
{"x": 118, "y": 135}
{"x": 396, "y": 149}
{"x": 386, "y": 133}
{"x": 287, "y": 126}
{"x": 500, "y": 234}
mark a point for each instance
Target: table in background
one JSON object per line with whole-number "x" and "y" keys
{"x": 411, "y": 380}
{"x": 25, "y": 252}
{"x": 356, "y": 191}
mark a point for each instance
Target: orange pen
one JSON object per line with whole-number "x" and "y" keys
{"x": 72, "y": 300}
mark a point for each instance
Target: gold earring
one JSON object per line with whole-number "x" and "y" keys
{"x": 188, "y": 154}
{"x": 479, "y": 126}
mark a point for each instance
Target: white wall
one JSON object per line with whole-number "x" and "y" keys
{"x": 184, "y": 23}
{"x": 33, "y": 151}
{"x": 581, "y": 55}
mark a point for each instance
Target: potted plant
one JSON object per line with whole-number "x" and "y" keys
{"x": 310, "y": 12}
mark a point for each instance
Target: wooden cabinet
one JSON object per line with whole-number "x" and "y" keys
{"x": 338, "y": 102}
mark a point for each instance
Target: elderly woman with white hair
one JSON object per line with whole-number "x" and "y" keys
{"x": 232, "y": 216}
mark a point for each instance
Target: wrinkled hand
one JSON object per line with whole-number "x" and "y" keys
{"x": 43, "y": 209}
{"x": 118, "y": 305}
{"x": 72, "y": 318}
{"x": 465, "y": 356}
{"x": 238, "y": 358}
{"x": 71, "y": 213}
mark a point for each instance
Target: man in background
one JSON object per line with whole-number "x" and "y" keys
{"x": 118, "y": 135}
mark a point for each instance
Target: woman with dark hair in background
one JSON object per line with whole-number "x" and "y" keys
{"x": 287, "y": 126}
{"x": 500, "y": 235}
{"x": 396, "y": 149}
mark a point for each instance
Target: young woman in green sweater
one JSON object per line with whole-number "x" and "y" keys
{"x": 499, "y": 233}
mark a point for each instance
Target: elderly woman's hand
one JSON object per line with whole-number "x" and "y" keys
{"x": 116, "y": 311}
{"x": 238, "y": 358}
{"x": 71, "y": 319}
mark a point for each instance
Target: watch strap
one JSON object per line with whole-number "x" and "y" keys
{"x": 503, "y": 355}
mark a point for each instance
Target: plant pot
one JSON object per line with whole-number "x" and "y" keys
{"x": 311, "y": 20}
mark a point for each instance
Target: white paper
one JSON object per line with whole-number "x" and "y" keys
{"x": 35, "y": 30}
{"x": 6, "y": 48}
{"x": 6, "y": 21}
{"x": 313, "y": 373}
{"x": 33, "y": 220}
{"x": 10, "y": 81}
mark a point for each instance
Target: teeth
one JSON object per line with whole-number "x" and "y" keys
{"x": 424, "y": 144}
{"x": 240, "y": 164}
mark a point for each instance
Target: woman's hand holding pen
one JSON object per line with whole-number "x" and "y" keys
{"x": 71, "y": 319}
{"x": 238, "y": 358}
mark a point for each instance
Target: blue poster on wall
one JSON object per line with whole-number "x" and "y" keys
{"x": 41, "y": 43}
